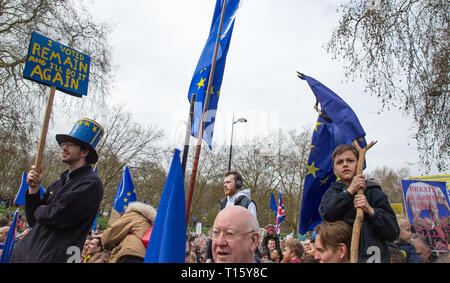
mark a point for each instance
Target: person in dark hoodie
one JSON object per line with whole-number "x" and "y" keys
{"x": 61, "y": 218}
{"x": 340, "y": 202}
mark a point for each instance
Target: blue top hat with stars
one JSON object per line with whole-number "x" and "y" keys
{"x": 87, "y": 133}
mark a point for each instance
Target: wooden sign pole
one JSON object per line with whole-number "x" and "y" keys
{"x": 359, "y": 212}
{"x": 44, "y": 129}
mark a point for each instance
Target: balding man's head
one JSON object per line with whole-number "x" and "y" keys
{"x": 235, "y": 235}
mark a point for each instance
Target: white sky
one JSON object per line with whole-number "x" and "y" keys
{"x": 156, "y": 46}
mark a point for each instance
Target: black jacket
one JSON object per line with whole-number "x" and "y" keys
{"x": 61, "y": 219}
{"x": 337, "y": 204}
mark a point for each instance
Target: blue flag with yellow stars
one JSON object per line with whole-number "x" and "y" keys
{"x": 341, "y": 126}
{"x": 125, "y": 192}
{"x": 199, "y": 83}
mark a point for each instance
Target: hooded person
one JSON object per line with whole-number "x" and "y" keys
{"x": 232, "y": 185}
{"x": 62, "y": 216}
{"x": 127, "y": 237}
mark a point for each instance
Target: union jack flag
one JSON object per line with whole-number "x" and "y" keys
{"x": 280, "y": 214}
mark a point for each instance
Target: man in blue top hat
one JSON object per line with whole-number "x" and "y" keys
{"x": 61, "y": 218}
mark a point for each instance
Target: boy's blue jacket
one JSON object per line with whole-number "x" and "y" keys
{"x": 337, "y": 204}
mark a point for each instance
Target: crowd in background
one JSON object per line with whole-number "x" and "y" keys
{"x": 409, "y": 248}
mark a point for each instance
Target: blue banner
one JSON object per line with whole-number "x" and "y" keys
{"x": 53, "y": 64}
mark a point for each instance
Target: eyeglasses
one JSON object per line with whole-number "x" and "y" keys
{"x": 228, "y": 235}
{"x": 68, "y": 144}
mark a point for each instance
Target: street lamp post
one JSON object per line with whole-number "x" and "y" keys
{"x": 241, "y": 120}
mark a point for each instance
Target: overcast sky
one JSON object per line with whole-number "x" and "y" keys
{"x": 156, "y": 46}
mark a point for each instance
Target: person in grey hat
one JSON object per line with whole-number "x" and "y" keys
{"x": 61, "y": 218}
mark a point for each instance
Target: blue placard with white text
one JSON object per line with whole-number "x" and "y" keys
{"x": 53, "y": 64}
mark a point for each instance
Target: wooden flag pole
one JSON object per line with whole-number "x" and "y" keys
{"x": 359, "y": 212}
{"x": 188, "y": 134}
{"x": 202, "y": 124}
{"x": 44, "y": 129}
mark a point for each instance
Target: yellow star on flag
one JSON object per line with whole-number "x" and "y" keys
{"x": 125, "y": 199}
{"x": 317, "y": 124}
{"x": 312, "y": 169}
{"x": 201, "y": 83}
{"x": 94, "y": 129}
{"x": 323, "y": 182}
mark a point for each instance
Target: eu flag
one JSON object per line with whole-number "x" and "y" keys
{"x": 20, "y": 196}
{"x": 199, "y": 82}
{"x": 168, "y": 239}
{"x": 273, "y": 203}
{"x": 10, "y": 240}
{"x": 125, "y": 192}
{"x": 340, "y": 127}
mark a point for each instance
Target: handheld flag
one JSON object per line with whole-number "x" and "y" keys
{"x": 10, "y": 240}
{"x": 340, "y": 112}
{"x": 199, "y": 83}
{"x": 94, "y": 224}
{"x": 125, "y": 192}
{"x": 168, "y": 239}
{"x": 280, "y": 214}
{"x": 20, "y": 196}
{"x": 273, "y": 204}
{"x": 337, "y": 125}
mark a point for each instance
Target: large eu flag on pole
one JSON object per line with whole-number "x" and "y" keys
{"x": 200, "y": 79}
{"x": 340, "y": 127}
{"x": 168, "y": 240}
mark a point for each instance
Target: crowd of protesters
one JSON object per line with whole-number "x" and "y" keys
{"x": 235, "y": 237}
{"x": 408, "y": 248}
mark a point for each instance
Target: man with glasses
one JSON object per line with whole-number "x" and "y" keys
{"x": 235, "y": 236}
{"x": 61, "y": 218}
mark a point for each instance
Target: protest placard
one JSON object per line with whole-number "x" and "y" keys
{"x": 54, "y": 64}
{"x": 428, "y": 210}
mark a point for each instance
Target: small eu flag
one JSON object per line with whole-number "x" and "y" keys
{"x": 273, "y": 203}
{"x": 10, "y": 240}
{"x": 125, "y": 192}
